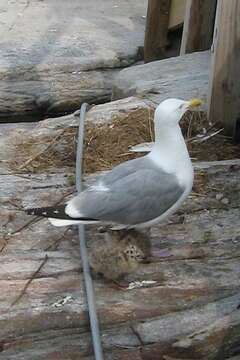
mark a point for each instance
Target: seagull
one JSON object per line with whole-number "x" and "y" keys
{"x": 141, "y": 192}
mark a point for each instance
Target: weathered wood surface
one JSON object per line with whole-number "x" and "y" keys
{"x": 182, "y": 77}
{"x": 224, "y": 102}
{"x": 177, "y": 12}
{"x": 156, "y": 29}
{"x": 55, "y": 55}
{"x": 191, "y": 312}
{"x": 192, "y": 308}
{"x": 198, "y": 25}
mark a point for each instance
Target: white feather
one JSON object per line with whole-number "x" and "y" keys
{"x": 99, "y": 187}
{"x": 72, "y": 208}
{"x": 144, "y": 147}
{"x": 61, "y": 222}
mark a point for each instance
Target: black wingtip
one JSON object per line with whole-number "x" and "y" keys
{"x": 55, "y": 212}
{"x": 30, "y": 211}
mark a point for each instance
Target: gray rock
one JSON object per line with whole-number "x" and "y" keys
{"x": 219, "y": 196}
{"x": 55, "y": 55}
{"x": 225, "y": 201}
{"x": 182, "y": 76}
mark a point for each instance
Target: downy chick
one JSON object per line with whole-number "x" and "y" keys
{"x": 121, "y": 252}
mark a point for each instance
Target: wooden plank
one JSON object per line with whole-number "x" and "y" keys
{"x": 198, "y": 25}
{"x": 197, "y": 273}
{"x": 177, "y": 12}
{"x": 224, "y": 90}
{"x": 156, "y": 29}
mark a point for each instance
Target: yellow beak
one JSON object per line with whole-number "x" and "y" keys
{"x": 194, "y": 103}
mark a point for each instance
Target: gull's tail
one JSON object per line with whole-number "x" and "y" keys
{"x": 57, "y": 216}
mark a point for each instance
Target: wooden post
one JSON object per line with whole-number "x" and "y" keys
{"x": 224, "y": 93}
{"x": 156, "y": 29}
{"x": 198, "y": 25}
{"x": 177, "y": 13}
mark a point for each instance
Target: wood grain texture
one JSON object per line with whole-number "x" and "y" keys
{"x": 177, "y": 12}
{"x": 224, "y": 90}
{"x": 192, "y": 309}
{"x": 190, "y": 312}
{"x": 198, "y": 25}
{"x": 156, "y": 29}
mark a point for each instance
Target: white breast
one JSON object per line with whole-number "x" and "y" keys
{"x": 171, "y": 155}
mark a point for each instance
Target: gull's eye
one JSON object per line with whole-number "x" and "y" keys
{"x": 181, "y": 107}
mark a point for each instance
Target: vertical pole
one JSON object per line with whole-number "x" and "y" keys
{"x": 94, "y": 324}
{"x": 224, "y": 88}
{"x": 156, "y": 29}
{"x": 198, "y": 25}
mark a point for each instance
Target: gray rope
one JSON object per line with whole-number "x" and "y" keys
{"x": 94, "y": 324}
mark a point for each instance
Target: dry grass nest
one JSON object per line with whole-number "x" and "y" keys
{"x": 108, "y": 145}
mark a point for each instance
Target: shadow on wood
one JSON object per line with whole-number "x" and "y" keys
{"x": 198, "y": 25}
{"x": 224, "y": 90}
{"x": 156, "y": 29}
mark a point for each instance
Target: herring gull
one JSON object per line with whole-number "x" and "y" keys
{"x": 140, "y": 192}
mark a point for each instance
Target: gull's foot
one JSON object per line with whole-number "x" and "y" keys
{"x": 120, "y": 285}
{"x": 103, "y": 229}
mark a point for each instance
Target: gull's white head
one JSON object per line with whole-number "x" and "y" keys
{"x": 170, "y": 111}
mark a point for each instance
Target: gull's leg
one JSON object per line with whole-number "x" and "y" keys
{"x": 120, "y": 285}
{"x": 103, "y": 229}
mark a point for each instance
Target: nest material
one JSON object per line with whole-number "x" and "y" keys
{"x": 39, "y": 153}
{"x": 105, "y": 145}
{"x": 108, "y": 145}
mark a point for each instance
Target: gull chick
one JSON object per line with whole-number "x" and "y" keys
{"x": 120, "y": 253}
{"x": 140, "y": 192}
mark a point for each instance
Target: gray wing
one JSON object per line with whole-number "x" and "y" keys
{"x": 134, "y": 199}
{"x": 125, "y": 169}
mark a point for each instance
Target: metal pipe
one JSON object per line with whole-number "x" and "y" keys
{"x": 94, "y": 324}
